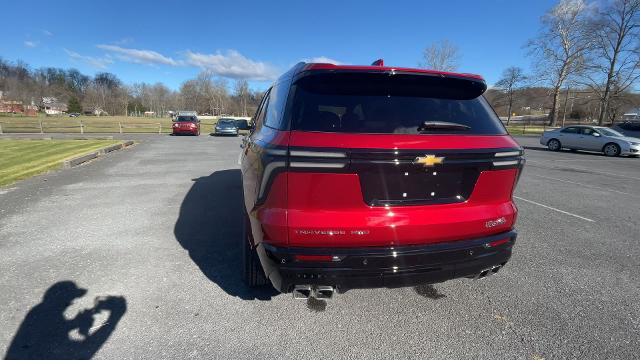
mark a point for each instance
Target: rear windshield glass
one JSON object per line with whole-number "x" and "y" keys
{"x": 397, "y": 104}
{"x": 186, "y": 118}
{"x": 226, "y": 122}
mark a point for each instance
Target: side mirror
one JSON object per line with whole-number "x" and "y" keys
{"x": 596, "y": 134}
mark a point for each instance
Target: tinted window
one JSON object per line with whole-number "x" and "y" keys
{"x": 588, "y": 131}
{"x": 260, "y": 113}
{"x": 571, "y": 130}
{"x": 275, "y": 109}
{"x": 186, "y": 118}
{"x": 399, "y": 104}
{"x": 630, "y": 126}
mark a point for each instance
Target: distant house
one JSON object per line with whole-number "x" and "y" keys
{"x": 16, "y": 107}
{"x": 10, "y": 106}
{"x": 52, "y": 106}
{"x": 149, "y": 113}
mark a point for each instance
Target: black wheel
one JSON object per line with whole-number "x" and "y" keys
{"x": 554, "y": 145}
{"x": 611, "y": 149}
{"x": 253, "y": 273}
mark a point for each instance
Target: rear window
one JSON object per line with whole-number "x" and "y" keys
{"x": 391, "y": 104}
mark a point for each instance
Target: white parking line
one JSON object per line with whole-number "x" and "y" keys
{"x": 580, "y": 169}
{"x": 554, "y": 209}
{"x": 585, "y": 185}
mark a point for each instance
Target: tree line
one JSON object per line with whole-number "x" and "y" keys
{"x": 106, "y": 93}
{"x": 585, "y": 61}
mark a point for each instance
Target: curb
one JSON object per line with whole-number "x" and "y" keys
{"x": 69, "y": 163}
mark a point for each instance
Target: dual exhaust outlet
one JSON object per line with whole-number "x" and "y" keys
{"x": 488, "y": 272}
{"x": 325, "y": 292}
{"x": 321, "y": 292}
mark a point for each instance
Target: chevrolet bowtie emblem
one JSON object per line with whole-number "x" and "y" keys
{"x": 428, "y": 160}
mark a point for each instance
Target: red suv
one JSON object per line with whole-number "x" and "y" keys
{"x": 186, "y": 124}
{"x": 374, "y": 176}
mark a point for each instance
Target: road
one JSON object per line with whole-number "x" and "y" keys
{"x": 156, "y": 227}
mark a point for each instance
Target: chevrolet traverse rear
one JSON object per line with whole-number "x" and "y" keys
{"x": 373, "y": 176}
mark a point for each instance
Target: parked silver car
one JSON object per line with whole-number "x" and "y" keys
{"x": 591, "y": 138}
{"x": 226, "y": 127}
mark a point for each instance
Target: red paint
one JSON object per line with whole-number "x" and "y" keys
{"x": 314, "y": 258}
{"x": 186, "y": 127}
{"x": 321, "y": 201}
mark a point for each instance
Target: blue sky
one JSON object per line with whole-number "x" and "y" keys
{"x": 171, "y": 41}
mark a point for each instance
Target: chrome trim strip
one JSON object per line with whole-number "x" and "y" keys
{"x": 508, "y": 153}
{"x": 267, "y": 174}
{"x": 275, "y": 151}
{"x": 317, "y": 165}
{"x": 505, "y": 163}
{"x": 317, "y": 154}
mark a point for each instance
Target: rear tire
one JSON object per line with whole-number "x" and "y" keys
{"x": 611, "y": 149}
{"x": 253, "y": 274}
{"x": 554, "y": 145}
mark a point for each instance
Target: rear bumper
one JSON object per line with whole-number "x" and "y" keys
{"x": 177, "y": 131}
{"x": 390, "y": 267}
{"x": 225, "y": 132}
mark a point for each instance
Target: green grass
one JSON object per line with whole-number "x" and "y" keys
{"x": 20, "y": 159}
{"x": 528, "y": 130}
{"x": 92, "y": 124}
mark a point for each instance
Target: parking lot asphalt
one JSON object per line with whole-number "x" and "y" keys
{"x": 152, "y": 234}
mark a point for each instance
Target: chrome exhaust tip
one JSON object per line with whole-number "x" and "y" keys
{"x": 302, "y": 292}
{"x": 487, "y": 272}
{"x": 323, "y": 292}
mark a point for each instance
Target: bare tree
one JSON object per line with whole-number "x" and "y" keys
{"x": 560, "y": 47}
{"x": 442, "y": 55}
{"x": 614, "y": 64}
{"x": 242, "y": 92}
{"x": 512, "y": 79}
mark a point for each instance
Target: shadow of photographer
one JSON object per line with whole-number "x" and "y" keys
{"x": 45, "y": 333}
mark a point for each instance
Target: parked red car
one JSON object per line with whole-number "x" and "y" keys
{"x": 374, "y": 176}
{"x": 186, "y": 124}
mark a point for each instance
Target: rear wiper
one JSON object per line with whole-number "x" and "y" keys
{"x": 428, "y": 126}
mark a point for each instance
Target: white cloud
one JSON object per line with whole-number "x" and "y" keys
{"x": 232, "y": 64}
{"x": 100, "y": 63}
{"x": 139, "y": 56}
{"x": 31, "y": 44}
{"x": 322, "y": 59}
{"x": 47, "y": 32}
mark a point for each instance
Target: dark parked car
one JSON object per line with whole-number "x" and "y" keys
{"x": 226, "y": 127}
{"x": 186, "y": 124}
{"x": 629, "y": 128}
{"x": 374, "y": 176}
{"x": 242, "y": 124}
